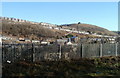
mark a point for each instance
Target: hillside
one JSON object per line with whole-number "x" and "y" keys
{"x": 90, "y": 28}
{"x": 32, "y": 31}
{"x": 118, "y": 32}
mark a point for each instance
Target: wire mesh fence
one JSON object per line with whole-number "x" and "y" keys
{"x": 90, "y": 50}
{"x": 37, "y": 52}
{"x": 118, "y": 49}
{"x": 109, "y": 49}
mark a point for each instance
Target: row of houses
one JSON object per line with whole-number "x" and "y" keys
{"x": 6, "y": 37}
{"x": 63, "y": 41}
{"x": 70, "y": 30}
{"x": 98, "y": 40}
{"x": 69, "y": 41}
{"x": 74, "y": 40}
{"x": 63, "y": 28}
{"x": 18, "y": 20}
{"x": 73, "y": 30}
{"x": 47, "y": 24}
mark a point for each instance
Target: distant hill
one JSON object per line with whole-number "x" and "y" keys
{"x": 90, "y": 28}
{"x": 31, "y": 30}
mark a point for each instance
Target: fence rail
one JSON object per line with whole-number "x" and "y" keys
{"x": 36, "y": 52}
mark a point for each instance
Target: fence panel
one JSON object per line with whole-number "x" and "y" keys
{"x": 118, "y": 49}
{"x": 36, "y": 52}
{"x": 79, "y": 51}
{"x": 48, "y": 52}
{"x": 8, "y": 53}
{"x": 108, "y": 49}
{"x": 71, "y": 51}
{"x": 27, "y": 52}
{"x": 17, "y": 52}
{"x": 90, "y": 50}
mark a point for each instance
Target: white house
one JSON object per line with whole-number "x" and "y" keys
{"x": 45, "y": 42}
{"x": 69, "y": 43}
{"x": 35, "y": 41}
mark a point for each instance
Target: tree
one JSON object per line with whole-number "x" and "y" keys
{"x": 69, "y": 36}
{"x": 79, "y": 22}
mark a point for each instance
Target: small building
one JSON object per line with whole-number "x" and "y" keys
{"x": 21, "y": 39}
{"x": 35, "y": 41}
{"x": 112, "y": 40}
{"x": 74, "y": 39}
{"x": 69, "y": 43}
{"x": 44, "y": 43}
{"x": 27, "y": 41}
{"x": 62, "y": 41}
{"x": 117, "y": 39}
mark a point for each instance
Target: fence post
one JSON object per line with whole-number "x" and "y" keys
{"x": 3, "y": 47}
{"x": 14, "y": 53}
{"x": 101, "y": 47}
{"x": 81, "y": 51}
{"x": 33, "y": 53}
{"x": 21, "y": 49}
{"x": 116, "y": 54}
{"x": 11, "y": 55}
{"x": 60, "y": 52}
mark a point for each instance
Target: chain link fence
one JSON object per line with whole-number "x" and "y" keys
{"x": 90, "y": 50}
{"x": 37, "y": 52}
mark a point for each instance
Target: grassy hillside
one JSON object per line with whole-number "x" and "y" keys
{"x": 28, "y": 30}
{"x": 91, "y": 28}
{"x": 37, "y": 31}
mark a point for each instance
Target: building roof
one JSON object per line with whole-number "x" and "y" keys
{"x": 73, "y": 37}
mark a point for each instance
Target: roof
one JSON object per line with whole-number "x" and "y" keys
{"x": 73, "y": 37}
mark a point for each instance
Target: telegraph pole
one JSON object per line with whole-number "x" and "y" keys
{"x": 77, "y": 27}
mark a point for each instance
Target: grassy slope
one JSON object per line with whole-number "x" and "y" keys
{"x": 106, "y": 66}
{"x": 33, "y": 31}
{"x": 28, "y": 30}
{"x": 92, "y": 28}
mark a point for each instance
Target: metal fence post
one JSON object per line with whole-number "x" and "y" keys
{"x": 11, "y": 55}
{"x": 3, "y": 47}
{"x": 21, "y": 49}
{"x": 60, "y": 52}
{"x": 33, "y": 55}
{"x": 116, "y": 53}
{"x": 14, "y": 53}
{"x": 101, "y": 47}
{"x": 81, "y": 51}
